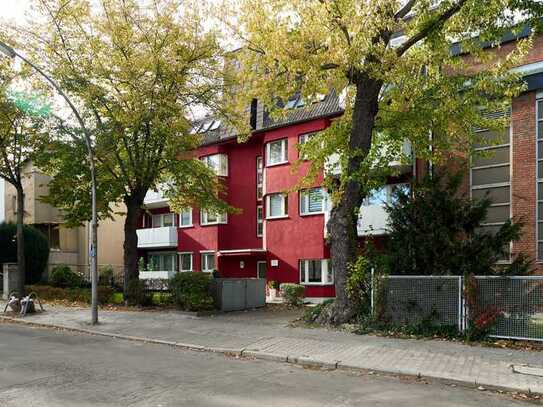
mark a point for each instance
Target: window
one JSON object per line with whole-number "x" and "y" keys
{"x": 218, "y": 163}
{"x": 52, "y": 232}
{"x": 208, "y": 262}
{"x": 259, "y": 221}
{"x": 185, "y": 218}
{"x": 161, "y": 262}
{"x": 185, "y": 261}
{"x": 277, "y": 206}
{"x": 212, "y": 218}
{"x": 302, "y": 139}
{"x": 539, "y": 176}
{"x": 163, "y": 220}
{"x": 312, "y": 201}
{"x": 490, "y": 176}
{"x": 385, "y": 194}
{"x": 316, "y": 272}
{"x": 276, "y": 152}
{"x": 259, "y": 178}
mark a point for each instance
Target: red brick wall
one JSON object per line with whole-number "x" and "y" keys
{"x": 524, "y": 171}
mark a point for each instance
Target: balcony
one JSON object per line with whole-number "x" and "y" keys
{"x": 155, "y": 238}
{"x": 373, "y": 217}
{"x": 155, "y": 199}
{"x": 401, "y": 164}
{"x": 372, "y": 221}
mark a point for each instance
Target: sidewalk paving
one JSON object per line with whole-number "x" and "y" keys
{"x": 265, "y": 334}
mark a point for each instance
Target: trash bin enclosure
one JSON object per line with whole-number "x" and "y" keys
{"x": 237, "y": 294}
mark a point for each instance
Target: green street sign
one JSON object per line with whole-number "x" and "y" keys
{"x": 33, "y": 105}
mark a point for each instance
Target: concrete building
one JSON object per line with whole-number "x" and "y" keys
{"x": 68, "y": 246}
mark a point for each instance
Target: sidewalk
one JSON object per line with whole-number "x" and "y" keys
{"x": 265, "y": 334}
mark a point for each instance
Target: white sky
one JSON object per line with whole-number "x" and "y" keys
{"x": 14, "y": 9}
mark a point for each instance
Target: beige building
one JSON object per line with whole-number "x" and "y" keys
{"x": 69, "y": 246}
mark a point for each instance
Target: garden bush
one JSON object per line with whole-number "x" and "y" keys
{"x": 293, "y": 293}
{"x": 105, "y": 276}
{"x": 36, "y": 250}
{"x": 47, "y": 292}
{"x": 138, "y": 294}
{"x": 312, "y": 313}
{"x": 191, "y": 291}
{"x": 62, "y": 276}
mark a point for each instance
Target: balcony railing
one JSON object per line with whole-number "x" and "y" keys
{"x": 372, "y": 220}
{"x": 155, "y": 199}
{"x": 157, "y": 237}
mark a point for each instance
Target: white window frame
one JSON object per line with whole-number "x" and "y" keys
{"x": 161, "y": 262}
{"x": 203, "y": 262}
{"x": 304, "y": 197}
{"x": 189, "y": 210}
{"x": 284, "y": 152}
{"x": 327, "y": 274}
{"x": 180, "y": 255}
{"x": 222, "y": 219}
{"x": 161, "y": 217}
{"x": 222, "y": 171}
{"x": 260, "y": 220}
{"x": 259, "y": 184}
{"x": 284, "y": 206}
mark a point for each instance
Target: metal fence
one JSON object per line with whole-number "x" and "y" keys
{"x": 441, "y": 300}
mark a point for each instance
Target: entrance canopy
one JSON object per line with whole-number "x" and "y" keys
{"x": 242, "y": 252}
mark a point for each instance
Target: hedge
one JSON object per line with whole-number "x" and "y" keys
{"x": 36, "y": 250}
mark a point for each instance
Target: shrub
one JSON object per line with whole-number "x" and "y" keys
{"x": 191, "y": 291}
{"x": 62, "y": 276}
{"x": 46, "y": 292}
{"x": 293, "y": 293}
{"x": 105, "y": 276}
{"x": 436, "y": 230}
{"x": 138, "y": 294}
{"x": 36, "y": 250}
{"x": 312, "y": 313}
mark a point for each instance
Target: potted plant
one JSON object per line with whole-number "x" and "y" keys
{"x": 273, "y": 289}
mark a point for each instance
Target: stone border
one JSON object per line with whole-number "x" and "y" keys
{"x": 297, "y": 360}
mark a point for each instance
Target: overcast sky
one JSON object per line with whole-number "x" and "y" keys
{"x": 14, "y": 9}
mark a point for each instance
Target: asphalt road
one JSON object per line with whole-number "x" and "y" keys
{"x": 41, "y": 367}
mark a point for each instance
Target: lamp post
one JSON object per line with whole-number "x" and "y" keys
{"x": 11, "y": 53}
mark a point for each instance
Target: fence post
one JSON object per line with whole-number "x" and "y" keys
{"x": 460, "y": 298}
{"x": 372, "y": 291}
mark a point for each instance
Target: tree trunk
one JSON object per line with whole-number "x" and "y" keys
{"x": 133, "y": 211}
{"x": 21, "y": 267}
{"x": 342, "y": 226}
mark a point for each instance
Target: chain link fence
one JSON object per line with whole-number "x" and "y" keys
{"x": 516, "y": 302}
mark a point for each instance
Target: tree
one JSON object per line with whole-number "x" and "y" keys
{"x": 392, "y": 63}
{"x": 19, "y": 130}
{"x": 136, "y": 69}
{"x": 435, "y": 230}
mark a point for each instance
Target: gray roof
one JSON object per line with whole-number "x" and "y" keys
{"x": 214, "y": 131}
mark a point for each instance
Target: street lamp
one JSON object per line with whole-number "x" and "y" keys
{"x": 11, "y": 53}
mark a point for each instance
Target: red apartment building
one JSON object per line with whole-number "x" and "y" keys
{"x": 282, "y": 237}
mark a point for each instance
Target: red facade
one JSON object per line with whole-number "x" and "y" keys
{"x": 292, "y": 243}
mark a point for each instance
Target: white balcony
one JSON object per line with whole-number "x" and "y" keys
{"x": 402, "y": 163}
{"x": 373, "y": 217}
{"x": 155, "y": 199}
{"x": 156, "y": 275}
{"x": 372, "y": 220}
{"x": 155, "y": 238}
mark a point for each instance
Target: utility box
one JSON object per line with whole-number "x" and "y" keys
{"x": 238, "y": 294}
{"x": 10, "y": 279}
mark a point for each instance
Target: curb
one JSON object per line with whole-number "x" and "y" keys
{"x": 303, "y": 361}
